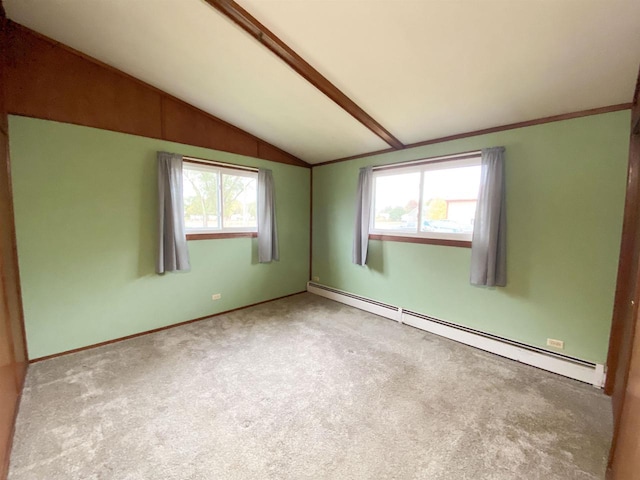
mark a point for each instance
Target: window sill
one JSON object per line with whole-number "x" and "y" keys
{"x": 213, "y": 236}
{"x": 429, "y": 241}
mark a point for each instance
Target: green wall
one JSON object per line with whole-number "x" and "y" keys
{"x": 85, "y": 221}
{"x": 85, "y": 210}
{"x": 565, "y": 197}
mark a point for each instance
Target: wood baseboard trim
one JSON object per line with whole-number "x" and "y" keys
{"x": 422, "y": 240}
{"x": 147, "y": 332}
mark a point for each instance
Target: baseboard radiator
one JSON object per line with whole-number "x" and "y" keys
{"x": 575, "y": 368}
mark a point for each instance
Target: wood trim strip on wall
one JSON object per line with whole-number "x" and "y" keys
{"x": 428, "y": 161}
{"x": 501, "y": 128}
{"x": 49, "y": 80}
{"x": 311, "y": 224}
{"x": 19, "y": 330}
{"x": 266, "y": 37}
{"x": 13, "y": 349}
{"x": 423, "y": 240}
{"x": 215, "y": 164}
{"x": 628, "y": 268}
{"x": 167, "y": 327}
{"x": 216, "y": 236}
{"x": 623, "y": 358}
{"x": 172, "y": 114}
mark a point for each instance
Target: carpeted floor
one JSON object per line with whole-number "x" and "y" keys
{"x": 303, "y": 388}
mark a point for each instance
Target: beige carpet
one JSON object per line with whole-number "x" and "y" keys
{"x": 303, "y": 388}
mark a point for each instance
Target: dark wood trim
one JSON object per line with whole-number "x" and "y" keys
{"x": 214, "y": 163}
{"x": 628, "y": 269}
{"x": 148, "y": 332}
{"x": 311, "y": 224}
{"x": 78, "y": 53}
{"x": 623, "y": 359}
{"x": 528, "y": 123}
{"x": 13, "y": 339}
{"x": 510, "y": 126}
{"x": 14, "y": 251}
{"x": 355, "y": 157}
{"x": 164, "y": 95}
{"x": 217, "y": 236}
{"x": 163, "y": 129}
{"x": 636, "y": 92}
{"x": 423, "y": 240}
{"x": 267, "y": 38}
{"x": 258, "y": 148}
{"x": 428, "y": 161}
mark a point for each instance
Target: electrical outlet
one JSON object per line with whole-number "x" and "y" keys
{"x": 316, "y": 279}
{"x": 555, "y": 343}
{"x": 216, "y": 296}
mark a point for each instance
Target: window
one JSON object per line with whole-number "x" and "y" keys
{"x": 435, "y": 200}
{"x": 219, "y": 200}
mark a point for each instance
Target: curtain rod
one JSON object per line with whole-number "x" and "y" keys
{"x": 442, "y": 158}
{"x": 204, "y": 161}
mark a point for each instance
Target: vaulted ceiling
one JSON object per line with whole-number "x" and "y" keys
{"x": 422, "y": 69}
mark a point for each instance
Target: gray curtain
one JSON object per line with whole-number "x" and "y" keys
{"x": 363, "y": 216}
{"x": 267, "y": 229}
{"x": 489, "y": 248}
{"x": 173, "y": 254}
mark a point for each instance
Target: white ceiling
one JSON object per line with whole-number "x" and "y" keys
{"x": 423, "y": 69}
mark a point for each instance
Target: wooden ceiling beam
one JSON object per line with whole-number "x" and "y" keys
{"x": 267, "y": 38}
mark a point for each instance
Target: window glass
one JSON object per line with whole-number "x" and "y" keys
{"x": 200, "y": 194}
{"x": 443, "y": 195}
{"x": 396, "y": 200}
{"x": 218, "y": 199}
{"x": 449, "y": 199}
{"x": 239, "y": 200}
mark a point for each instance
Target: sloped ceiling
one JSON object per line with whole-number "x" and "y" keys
{"x": 422, "y": 69}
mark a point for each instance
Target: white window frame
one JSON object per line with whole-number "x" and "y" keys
{"x": 220, "y": 169}
{"x": 424, "y": 166}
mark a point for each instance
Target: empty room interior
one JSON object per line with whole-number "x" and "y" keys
{"x": 320, "y": 239}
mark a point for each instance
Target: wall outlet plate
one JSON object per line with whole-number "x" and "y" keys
{"x": 551, "y": 342}
{"x": 316, "y": 279}
{"x": 216, "y": 296}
